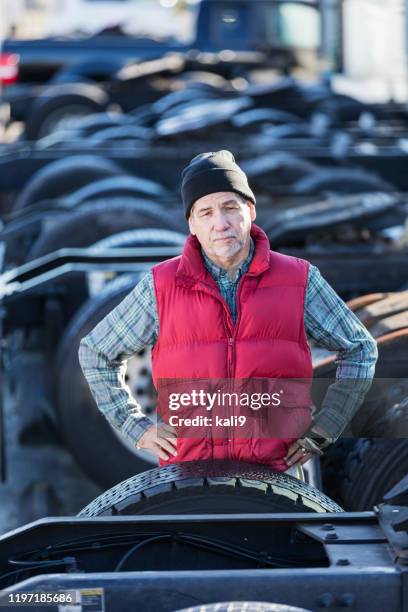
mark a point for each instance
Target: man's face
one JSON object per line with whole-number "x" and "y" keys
{"x": 222, "y": 223}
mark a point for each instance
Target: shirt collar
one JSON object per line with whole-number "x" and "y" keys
{"x": 191, "y": 268}
{"x": 219, "y": 273}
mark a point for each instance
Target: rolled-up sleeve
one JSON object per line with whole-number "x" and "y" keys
{"x": 104, "y": 352}
{"x": 330, "y": 322}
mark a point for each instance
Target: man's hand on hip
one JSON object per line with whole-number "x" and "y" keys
{"x": 305, "y": 448}
{"x": 160, "y": 440}
{"x": 297, "y": 455}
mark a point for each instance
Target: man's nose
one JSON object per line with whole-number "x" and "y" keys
{"x": 220, "y": 220}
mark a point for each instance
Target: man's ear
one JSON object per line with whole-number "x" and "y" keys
{"x": 252, "y": 211}
{"x": 191, "y": 224}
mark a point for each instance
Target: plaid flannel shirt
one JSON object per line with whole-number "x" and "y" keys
{"x": 134, "y": 325}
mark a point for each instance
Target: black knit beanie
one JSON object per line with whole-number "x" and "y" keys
{"x": 212, "y": 172}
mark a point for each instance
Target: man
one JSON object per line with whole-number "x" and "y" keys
{"x": 228, "y": 308}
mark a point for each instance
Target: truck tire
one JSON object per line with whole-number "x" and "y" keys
{"x": 255, "y": 117}
{"x": 132, "y": 238}
{"x": 372, "y": 468}
{"x": 244, "y": 606}
{"x": 204, "y": 487}
{"x": 204, "y": 78}
{"x": 140, "y": 237}
{"x": 117, "y": 186}
{"x": 342, "y": 108}
{"x": 276, "y": 169}
{"x": 199, "y": 118}
{"x": 96, "y": 220}
{"x": 340, "y": 180}
{"x": 102, "y": 453}
{"x": 170, "y": 103}
{"x": 358, "y": 472}
{"x": 332, "y": 465}
{"x": 94, "y": 123}
{"x": 119, "y": 132}
{"x": 60, "y": 102}
{"x": 65, "y": 176}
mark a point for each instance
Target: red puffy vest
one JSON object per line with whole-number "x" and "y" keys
{"x": 198, "y": 339}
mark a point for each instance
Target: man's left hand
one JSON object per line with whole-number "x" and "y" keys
{"x": 297, "y": 455}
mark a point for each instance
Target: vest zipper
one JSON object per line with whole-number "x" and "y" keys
{"x": 230, "y": 349}
{"x": 229, "y": 372}
{"x": 233, "y": 339}
{"x": 231, "y": 355}
{"x": 238, "y": 305}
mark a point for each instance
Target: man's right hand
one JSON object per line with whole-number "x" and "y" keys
{"x": 160, "y": 440}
